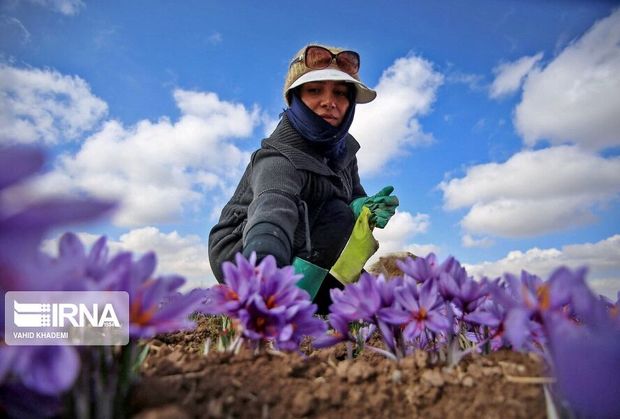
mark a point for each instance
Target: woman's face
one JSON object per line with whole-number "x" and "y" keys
{"x": 328, "y": 99}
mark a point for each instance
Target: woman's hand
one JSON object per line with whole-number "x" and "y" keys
{"x": 382, "y": 206}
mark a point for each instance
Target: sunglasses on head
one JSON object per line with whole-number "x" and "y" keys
{"x": 318, "y": 58}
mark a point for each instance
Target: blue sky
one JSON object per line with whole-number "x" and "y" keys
{"x": 496, "y": 121}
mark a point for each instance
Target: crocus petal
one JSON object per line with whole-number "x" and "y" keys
{"x": 144, "y": 267}
{"x": 412, "y": 330}
{"x": 328, "y": 340}
{"x": 394, "y": 316}
{"x": 517, "y": 327}
{"x": 70, "y": 246}
{"x": 586, "y": 363}
{"x": 437, "y": 322}
{"x": 484, "y": 318}
{"x": 52, "y": 369}
{"x": 388, "y": 335}
{"x": 17, "y": 163}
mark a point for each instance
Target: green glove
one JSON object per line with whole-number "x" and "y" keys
{"x": 360, "y": 247}
{"x": 382, "y": 206}
{"x": 313, "y": 276}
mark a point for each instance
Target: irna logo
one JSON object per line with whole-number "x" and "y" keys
{"x": 66, "y": 318}
{"x": 63, "y": 314}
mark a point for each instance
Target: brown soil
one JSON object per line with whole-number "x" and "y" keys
{"x": 178, "y": 381}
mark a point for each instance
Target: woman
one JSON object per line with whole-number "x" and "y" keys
{"x": 300, "y": 195}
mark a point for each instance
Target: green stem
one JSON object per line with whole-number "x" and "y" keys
{"x": 125, "y": 376}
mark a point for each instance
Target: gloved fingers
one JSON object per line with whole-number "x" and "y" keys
{"x": 387, "y": 200}
{"x": 385, "y": 191}
{"x": 385, "y": 212}
{"x": 383, "y": 205}
{"x": 380, "y": 218}
{"x": 381, "y": 222}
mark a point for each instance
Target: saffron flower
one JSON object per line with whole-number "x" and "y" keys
{"x": 299, "y": 322}
{"x": 417, "y": 310}
{"x": 420, "y": 269}
{"x": 529, "y": 300}
{"x": 264, "y": 302}
{"x": 358, "y": 301}
{"x": 459, "y": 288}
{"x": 340, "y": 332}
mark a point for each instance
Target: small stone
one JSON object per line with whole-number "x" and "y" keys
{"x": 433, "y": 377}
{"x": 302, "y": 404}
{"x": 342, "y": 369}
{"x": 467, "y": 381}
{"x": 397, "y": 376}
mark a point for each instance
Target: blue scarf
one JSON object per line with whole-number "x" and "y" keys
{"x": 327, "y": 139}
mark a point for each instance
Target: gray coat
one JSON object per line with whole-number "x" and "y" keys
{"x": 284, "y": 186}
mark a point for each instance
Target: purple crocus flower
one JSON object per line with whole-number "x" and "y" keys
{"x": 278, "y": 288}
{"x": 257, "y": 324}
{"x": 340, "y": 333}
{"x": 420, "y": 269}
{"x": 265, "y": 302}
{"x": 156, "y": 305}
{"x": 529, "y": 300}
{"x": 300, "y": 322}
{"x": 459, "y": 288}
{"x": 358, "y": 301}
{"x": 147, "y": 313}
{"x": 417, "y": 310}
{"x": 240, "y": 283}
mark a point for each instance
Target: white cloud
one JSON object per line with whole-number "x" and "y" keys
{"x": 176, "y": 254}
{"x": 509, "y": 76}
{"x": 602, "y": 259}
{"x": 386, "y": 126}
{"x": 159, "y": 169}
{"x": 396, "y": 236}
{"x": 66, "y": 7}
{"x": 534, "y": 192}
{"x": 576, "y": 98}
{"x": 44, "y": 105}
{"x": 469, "y": 241}
{"x": 215, "y": 38}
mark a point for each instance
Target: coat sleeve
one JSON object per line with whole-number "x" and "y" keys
{"x": 357, "y": 188}
{"x": 273, "y": 214}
